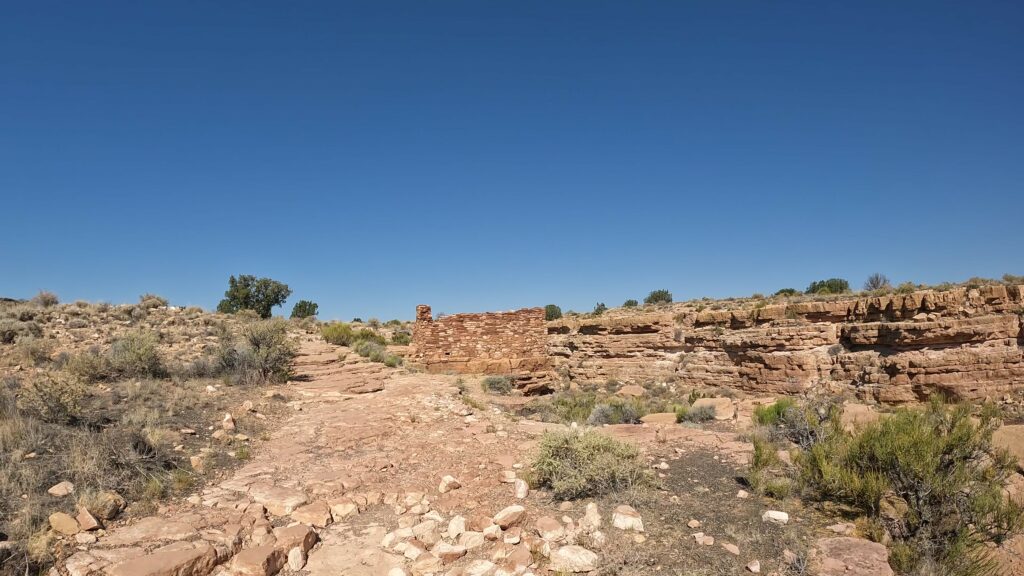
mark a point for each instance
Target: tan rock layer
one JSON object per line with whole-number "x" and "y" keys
{"x": 898, "y": 348}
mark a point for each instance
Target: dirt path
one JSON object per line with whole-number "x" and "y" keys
{"x": 350, "y": 484}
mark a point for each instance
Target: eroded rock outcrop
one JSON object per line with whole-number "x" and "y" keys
{"x": 966, "y": 343}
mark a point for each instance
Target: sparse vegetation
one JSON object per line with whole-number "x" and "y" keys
{"x": 304, "y": 309}
{"x": 152, "y": 301}
{"x": 248, "y": 292}
{"x": 497, "y": 385}
{"x": 600, "y": 308}
{"x": 552, "y": 312}
{"x": 906, "y": 288}
{"x": 401, "y": 338}
{"x": 830, "y": 286}
{"x": 877, "y": 282}
{"x": 772, "y": 414}
{"x": 45, "y": 299}
{"x": 658, "y": 297}
{"x": 264, "y": 354}
{"x": 695, "y": 415}
{"x": 631, "y": 303}
{"x": 582, "y": 464}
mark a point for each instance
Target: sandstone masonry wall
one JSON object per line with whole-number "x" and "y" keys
{"x": 507, "y": 343}
{"x": 968, "y": 343}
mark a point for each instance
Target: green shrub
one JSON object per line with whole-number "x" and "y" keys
{"x": 696, "y": 415}
{"x": 401, "y": 338}
{"x": 582, "y": 464}
{"x": 618, "y": 411}
{"x": 497, "y": 385}
{"x": 1013, "y": 279}
{"x": 368, "y": 335}
{"x": 135, "y": 355}
{"x": 906, "y": 288}
{"x": 658, "y": 297}
{"x": 787, "y": 292}
{"x": 264, "y": 354}
{"x": 52, "y": 397}
{"x": 552, "y": 312}
{"x": 304, "y": 309}
{"x": 338, "y": 333}
{"x": 248, "y": 292}
{"x": 771, "y": 414}
{"x": 830, "y": 286}
{"x": 931, "y": 476}
{"x": 600, "y": 308}
{"x": 630, "y": 303}
{"x": 90, "y": 366}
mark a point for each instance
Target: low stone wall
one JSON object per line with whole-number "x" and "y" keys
{"x": 501, "y": 343}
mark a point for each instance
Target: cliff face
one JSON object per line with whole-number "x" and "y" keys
{"x": 967, "y": 343}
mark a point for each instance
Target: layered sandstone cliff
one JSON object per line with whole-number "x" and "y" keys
{"x": 966, "y": 343}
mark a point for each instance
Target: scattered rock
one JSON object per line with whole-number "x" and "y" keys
{"x": 343, "y": 508}
{"x": 61, "y": 489}
{"x": 177, "y": 559}
{"x": 509, "y": 516}
{"x": 550, "y": 529}
{"x": 775, "y": 517}
{"x": 315, "y": 514}
{"x": 731, "y": 548}
{"x": 703, "y": 539}
{"x": 296, "y": 558}
{"x": 87, "y": 521}
{"x": 448, "y": 553}
{"x": 258, "y": 561}
{"x": 522, "y": 489}
{"x": 627, "y": 518}
{"x": 228, "y": 423}
{"x": 448, "y": 483}
{"x": 846, "y": 556}
{"x": 632, "y": 391}
{"x": 754, "y": 567}
{"x": 693, "y": 524}
{"x": 63, "y": 523}
{"x": 573, "y": 559}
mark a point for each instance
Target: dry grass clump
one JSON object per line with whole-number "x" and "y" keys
{"x": 497, "y": 385}
{"x": 581, "y": 464}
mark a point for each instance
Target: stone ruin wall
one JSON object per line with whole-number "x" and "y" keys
{"x": 966, "y": 343}
{"x": 499, "y": 343}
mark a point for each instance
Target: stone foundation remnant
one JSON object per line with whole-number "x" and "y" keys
{"x": 510, "y": 344}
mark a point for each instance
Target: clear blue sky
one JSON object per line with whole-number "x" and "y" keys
{"x": 491, "y": 155}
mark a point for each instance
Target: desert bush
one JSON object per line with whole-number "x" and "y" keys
{"x": 375, "y": 351}
{"x": 631, "y": 303}
{"x": 12, "y": 331}
{"x": 52, "y": 397}
{"x": 772, "y": 414}
{"x": 786, "y": 292}
{"x": 135, "y": 355}
{"x": 368, "y": 335}
{"x": 618, "y": 411}
{"x": 552, "y": 312}
{"x": 930, "y": 477}
{"x": 1013, "y": 279}
{"x": 906, "y": 288}
{"x": 877, "y": 281}
{"x": 304, "y": 309}
{"x": 658, "y": 297}
{"x": 45, "y": 299}
{"x": 401, "y": 338}
{"x": 337, "y": 333}
{"x": 149, "y": 301}
{"x": 830, "y": 286}
{"x": 600, "y": 308}
{"x": 90, "y": 366}
{"x": 248, "y": 292}
{"x": 581, "y": 464}
{"x": 695, "y": 415}
{"x": 35, "y": 351}
{"x": 265, "y": 353}
{"x": 497, "y": 385}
